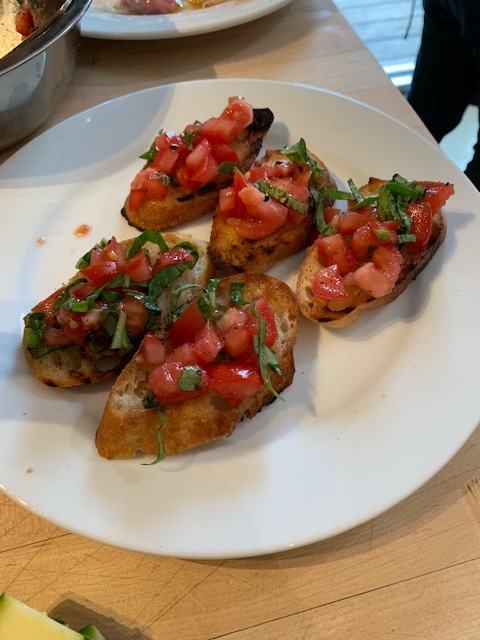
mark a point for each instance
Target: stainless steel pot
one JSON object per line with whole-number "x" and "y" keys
{"x": 35, "y": 74}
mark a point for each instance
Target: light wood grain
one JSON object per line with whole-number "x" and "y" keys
{"x": 410, "y": 573}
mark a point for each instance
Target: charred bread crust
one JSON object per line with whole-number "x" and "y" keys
{"x": 126, "y": 428}
{"x": 77, "y": 365}
{"x": 316, "y": 309}
{"x": 231, "y": 253}
{"x": 180, "y": 205}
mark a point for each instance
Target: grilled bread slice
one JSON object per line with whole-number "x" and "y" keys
{"x": 183, "y": 201}
{"x": 255, "y": 244}
{"x": 127, "y": 427}
{"x": 401, "y": 264}
{"x": 54, "y": 356}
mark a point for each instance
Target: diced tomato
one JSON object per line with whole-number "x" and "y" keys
{"x": 224, "y": 153}
{"x": 24, "y": 23}
{"x": 373, "y": 281}
{"x": 226, "y": 202}
{"x": 389, "y": 260}
{"x": 239, "y": 183}
{"x": 262, "y": 207}
{"x": 328, "y": 284}
{"x": 152, "y": 349}
{"x": 263, "y": 307}
{"x": 187, "y": 325}
{"x": 238, "y": 111}
{"x": 232, "y": 318}
{"x": 349, "y": 221}
{"x": 164, "y": 381}
{"x": 173, "y": 255}
{"x": 101, "y": 273}
{"x": 238, "y": 340}
{"x": 422, "y": 220}
{"x": 150, "y": 183}
{"x": 201, "y": 164}
{"x": 218, "y": 130}
{"x": 330, "y": 214}
{"x": 82, "y": 290}
{"x": 165, "y": 160}
{"x": 335, "y": 250}
{"x": 296, "y": 190}
{"x": 112, "y": 252}
{"x": 207, "y": 343}
{"x": 136, "y": 315}
{"x": 367, "y": 237}
{"x": 234, "y": 381}
{"x": 72, "y": 325}
{"x": 252, "y": 229}
{"x": 438, "y": 193}
{"x": 184, "y": 354}
{"x": 57, "y": 337}
{"x": 138, "y": 267}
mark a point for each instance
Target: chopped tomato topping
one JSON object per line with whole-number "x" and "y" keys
{"x": 265, "y": 310}
{"x": 166, "y": 382}
{"x": 421, "y": 215}
{"x": 328, "y": 284}
{"x": 207, "y": 343}
{"x": 136, "y": 315}
{"x": 234, "y": 381}
{"x": 187, "y": 325}
{"x": 438, "y": 193}
{"x": 152, "y": 349}
{"x": 138, "y": 268}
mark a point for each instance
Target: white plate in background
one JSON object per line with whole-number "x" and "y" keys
{"x": 101, "y": 23}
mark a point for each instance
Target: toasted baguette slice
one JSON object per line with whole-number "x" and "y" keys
{"x": 181, "y": 205}
{"x": 76, "y": 365}
{"x": 127, "y": 427}
{"x": 232, "y": 253}
{"x": 339, "y": 314}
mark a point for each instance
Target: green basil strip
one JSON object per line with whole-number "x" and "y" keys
{"x": 264, "y": 354}
{"x": 159, "y": 438}
{"x": 229, "y": 167}
{"x": 337, "y": 194}
{"x": 146, "y": 236}
{"x": 36, "y": 324}
{"x": 161, "y": 280}
{"x": 190, "y": 378}
{"x": 236, "y": 293}
{"x": 208, "y": 301}
{"x": 281, "y": 196}
{"x": 406, "y": 237}
{"x": 150, "y": 154}
{"x": 355, "y": 192}
{"x": 120, "y": 338}
{"x": 84, "y": 261}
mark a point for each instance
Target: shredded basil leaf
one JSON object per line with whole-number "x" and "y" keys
{"x": 146, "y": 236}
{"x": 190, "y": 378}
{"x": 120, "y": 337}
{"x": 228, "y": 167}
{"x": 150, "y": 154}
{"x": 281, "y": 196}
{"x": 35, "y": 324}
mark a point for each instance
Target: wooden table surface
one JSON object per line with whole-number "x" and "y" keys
{"x": 413, "y": 572}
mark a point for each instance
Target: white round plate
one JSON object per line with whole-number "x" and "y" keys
{"x": 99, "y": 22}
{"x": 375, "y": 410}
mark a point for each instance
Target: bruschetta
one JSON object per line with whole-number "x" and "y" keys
{"x": 183, "y": 173}
{"x": 367, "y": 254}
{"x": 88, "y": 329}
{"x": 227, "y": 354}
{"x": 269, "y": 212}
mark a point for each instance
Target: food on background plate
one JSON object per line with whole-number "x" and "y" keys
{"x": 228, "y": 353}
{"x": 269, "y": 212}
{"x": 159, "y": 7}
{"x": 185, "y": 171}
{"x": 367, "y": 254}
{"x": 88, "y": 329}
{"x": 18, "y": 621}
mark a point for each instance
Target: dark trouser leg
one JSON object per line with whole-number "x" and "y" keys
{"x": 445, "y": 80}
